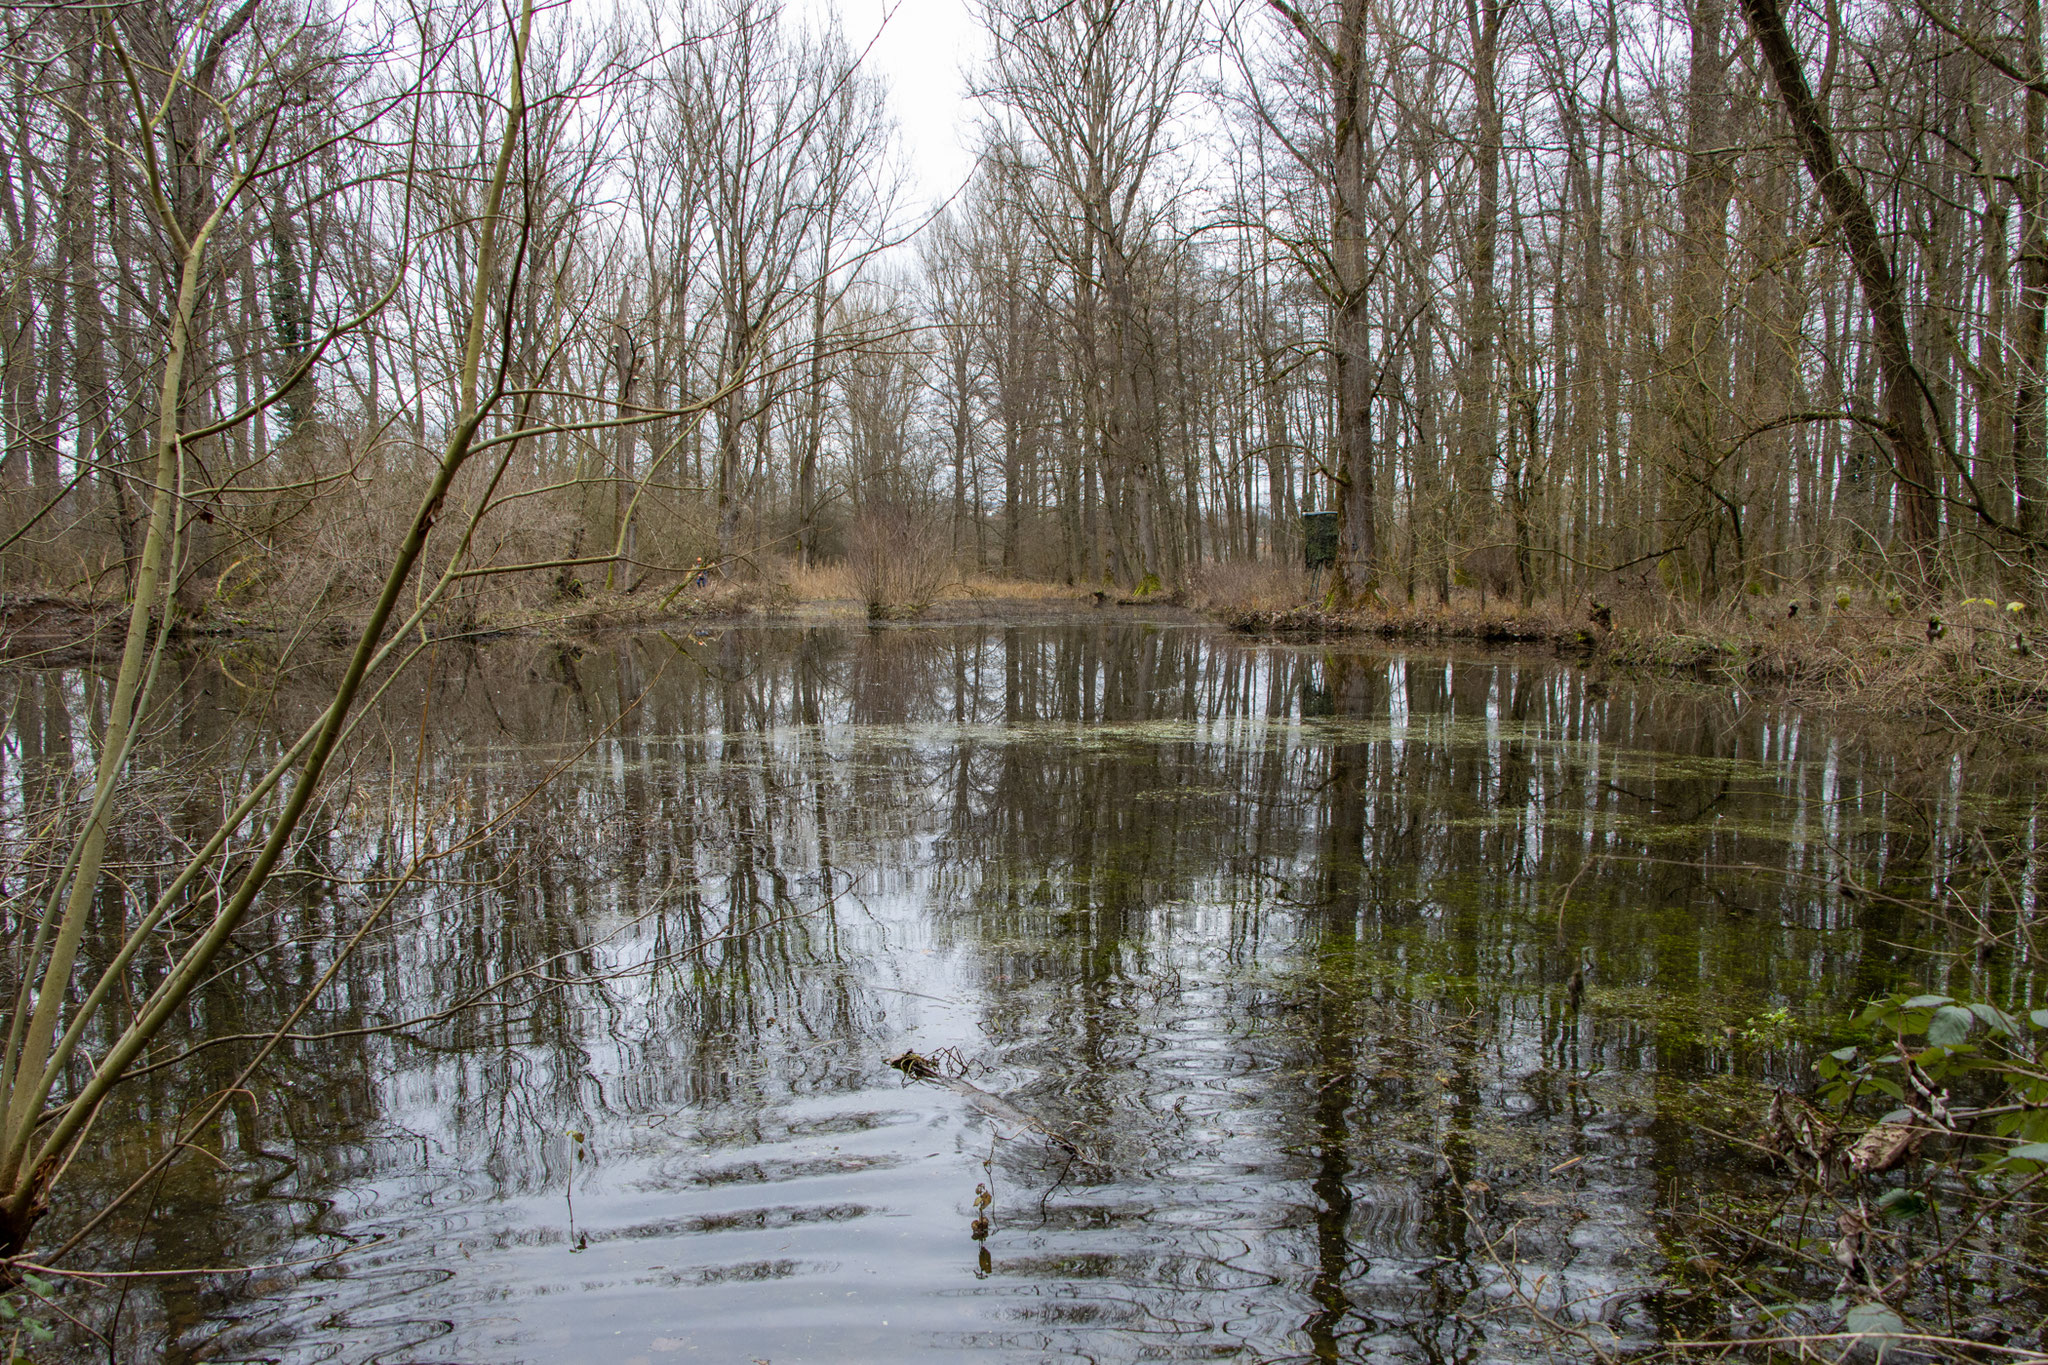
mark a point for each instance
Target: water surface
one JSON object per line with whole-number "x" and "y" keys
{"x": 1282, "y": 939}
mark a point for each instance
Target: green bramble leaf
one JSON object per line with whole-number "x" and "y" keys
{"x": 1904, "y": 1203}
{"x": 1950, "y": 1026}
{"x": 1996, "y": 1019}
{"x": 1875, "y": 1320}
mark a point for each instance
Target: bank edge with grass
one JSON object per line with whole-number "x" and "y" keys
{"x": 1970, "y": 662}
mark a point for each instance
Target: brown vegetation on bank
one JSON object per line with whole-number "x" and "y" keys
{"x": 1967, "y": 660}
{"x": 48, "y": 629}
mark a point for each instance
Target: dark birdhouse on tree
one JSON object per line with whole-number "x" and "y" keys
{"x": 1319, "y": 540}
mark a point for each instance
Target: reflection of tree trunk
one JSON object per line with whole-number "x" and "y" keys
{"x": 1336, "y": 1009}
{"x": 1336, "y": 1075}
{"x": 1905, "y": 413}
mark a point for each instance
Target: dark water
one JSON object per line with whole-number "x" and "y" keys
{"x": 1280, "y": 938}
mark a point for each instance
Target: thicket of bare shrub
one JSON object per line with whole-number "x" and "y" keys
{"x": 899, "y": 560}
{"x": 278, "y": 560}
{"x": 1248, "y": 585}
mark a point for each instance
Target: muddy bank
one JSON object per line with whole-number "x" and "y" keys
{"x": 1968, "y": 664}
{"x": 57, "y": 631}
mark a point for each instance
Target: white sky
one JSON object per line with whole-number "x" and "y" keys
{"x": 922, "y": 50}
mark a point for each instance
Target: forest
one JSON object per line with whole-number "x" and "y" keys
{"x": 1542, "y": 298}
{"x": 435, "y": 842}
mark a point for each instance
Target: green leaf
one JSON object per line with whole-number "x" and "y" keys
{"x": 40, "y": 1330}
{"x": 1951, "y": 1025}
{"x": 1874, "y": 1320}
{"x": 1879, "y": 1083}
{"x": 8, "y": 1312}
{"x": 41, "y": 1287}
{"x": 2032, "y": 1151}
{"x": 1996, "y": 1019}
{"x": 1926, "y": 1002}
{"x": 2040, "y": 1018}
{"x": 1844, "y": 1054}
{"x": 1904, "y": 1203}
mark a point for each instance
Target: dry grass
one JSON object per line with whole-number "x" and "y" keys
{"x": 833, "y": 582}
{"x": 1282, "y": 601}
{"x": 1238, "y": 586}
{"x": 1968, "y": 660}
{"x": 1466, "y": 617}
{"x": 990, "y": 588}
{"x": 835, "y": 587}
{"x": 320, "y": 561}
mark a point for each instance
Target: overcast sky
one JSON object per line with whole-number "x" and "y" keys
{"x": 922, "y": 53}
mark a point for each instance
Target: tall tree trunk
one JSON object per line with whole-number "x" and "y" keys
{"x": 2029, "y": 422}
{"x": 1478, "y": 429}
{"x": 1904, "y": 408}
{"x": 1697, "y": 353}
{"x": 1355, "y": 575}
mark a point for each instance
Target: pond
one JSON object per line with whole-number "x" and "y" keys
{"x": 1286, "y": 1002}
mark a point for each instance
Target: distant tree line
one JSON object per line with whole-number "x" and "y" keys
{"x": 1539, "y": 296}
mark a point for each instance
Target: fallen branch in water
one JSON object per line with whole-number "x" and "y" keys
{"x": 917, "y": 1067}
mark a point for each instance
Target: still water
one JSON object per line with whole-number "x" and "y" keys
{"x": 1386, "y": 999}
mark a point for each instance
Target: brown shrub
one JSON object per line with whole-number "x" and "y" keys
{"x": 898, "y": 561}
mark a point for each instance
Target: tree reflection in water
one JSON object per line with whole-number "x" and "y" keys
{"x": 1283, "y": 933}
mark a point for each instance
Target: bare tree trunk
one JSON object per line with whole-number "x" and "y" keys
{"x": 1904, "y": 409}
{"x": 1697, "y": 353}
{"x": 1478, "y": 403}
{"x": 2029, "y": 421}
{"x": 1355, "y": 575}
